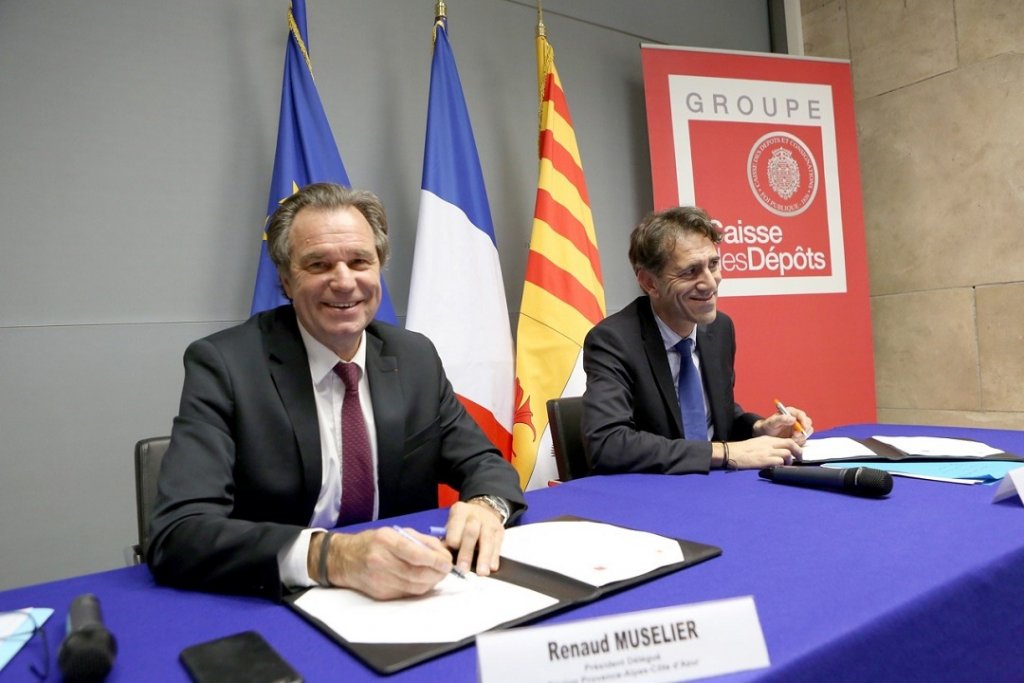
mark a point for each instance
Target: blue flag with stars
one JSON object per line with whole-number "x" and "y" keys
{"x": 306, "y": 153}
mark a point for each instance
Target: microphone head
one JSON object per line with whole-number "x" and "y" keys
{"x": 867, "y": 481}
{"x": 87, "y": 655}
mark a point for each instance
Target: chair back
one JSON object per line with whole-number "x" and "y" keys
{"x": 149, "y": 453}
{"x": 564, "y": 416}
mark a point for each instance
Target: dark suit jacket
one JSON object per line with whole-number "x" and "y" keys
{"x": 631, "y": 420}
{"x": 242, "y": 474}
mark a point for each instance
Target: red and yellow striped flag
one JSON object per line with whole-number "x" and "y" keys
{"x": 563, "y": 296}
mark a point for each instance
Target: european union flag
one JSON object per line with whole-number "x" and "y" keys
{"x": 306, "y": 153}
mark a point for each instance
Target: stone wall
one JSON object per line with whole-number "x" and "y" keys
{"x": 939, "y": 89}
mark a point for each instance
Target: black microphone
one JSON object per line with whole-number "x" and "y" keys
{"x": 88, "y": 650}
{"x": 861, "y": 481}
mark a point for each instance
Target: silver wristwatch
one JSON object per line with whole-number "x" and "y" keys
{"x": 498, "y": 504}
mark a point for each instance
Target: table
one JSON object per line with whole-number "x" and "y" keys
{"x": 927, "y": 584}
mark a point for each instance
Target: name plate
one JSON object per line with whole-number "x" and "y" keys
{"x": 1012, "y": 483}
{"x": 679, "y": 643}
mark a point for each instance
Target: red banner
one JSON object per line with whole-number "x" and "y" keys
{"x": 767, "y": 145}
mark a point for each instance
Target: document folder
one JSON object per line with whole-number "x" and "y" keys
{"x": 388, "y": 658}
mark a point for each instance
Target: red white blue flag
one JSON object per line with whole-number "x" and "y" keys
{"x": 457, "y": 297}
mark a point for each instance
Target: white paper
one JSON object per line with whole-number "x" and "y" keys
{"x": 833, "y": 447}
{"x": 591, "y": 552}
{"x": 931, "y": 446}
{"x": 679, "y": 643}
{"x": 17, "y": 628}
{"x": 455, "y": 609}
{"x": 11, "y": 622}
{"x": 1012, "y": 483}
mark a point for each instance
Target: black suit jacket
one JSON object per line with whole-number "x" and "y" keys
{"x": 631, "y": 420}
{"x": 242, "y": 474}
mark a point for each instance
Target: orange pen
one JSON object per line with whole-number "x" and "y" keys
{"x": 782, "y": 411}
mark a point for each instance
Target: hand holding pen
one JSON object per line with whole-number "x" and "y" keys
{"x": 799, "y": 417}
{"x": 405, "y": 534}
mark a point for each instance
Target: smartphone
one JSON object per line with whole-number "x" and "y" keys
{"x": 245, "y": 656}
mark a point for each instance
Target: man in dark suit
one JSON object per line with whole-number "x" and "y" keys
{"x": 272, "y": 424}
{"x": 656, "y": 402}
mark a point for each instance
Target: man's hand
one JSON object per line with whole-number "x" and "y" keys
{"x": 383, "y": 564}
{"x": 763, "y": 451}
{"x": 778, "y": 424}
{"x": 475, "y": 528}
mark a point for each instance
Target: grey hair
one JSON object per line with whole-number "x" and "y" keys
{"x": 325, "y": 197}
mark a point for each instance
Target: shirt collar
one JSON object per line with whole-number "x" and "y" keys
{"x": 669, "y": 336}
{"x": 322, "y": 360}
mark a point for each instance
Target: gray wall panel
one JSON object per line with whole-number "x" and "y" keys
{"x": 75, "y": 399}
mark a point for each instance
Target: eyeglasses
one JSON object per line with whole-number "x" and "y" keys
{"x": 25, "y": 637}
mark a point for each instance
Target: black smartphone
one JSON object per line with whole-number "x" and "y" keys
{"x": 245, "y": 656}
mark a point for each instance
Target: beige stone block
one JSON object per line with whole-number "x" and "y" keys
{"x": 1001, "y": 346}
{"x": 825, "y": 33}
{"x": 942, "y": 170}
{"x": 894, "y": 44}
{"x": 986, "y": 28}
{"x": 952, "y": 418}
{"x": 926, "y": 356}
{"x": 810, "y": 5}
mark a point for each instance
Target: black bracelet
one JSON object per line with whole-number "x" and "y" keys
{"x": 725, "y": 455}
{"x": 325, "y": 549}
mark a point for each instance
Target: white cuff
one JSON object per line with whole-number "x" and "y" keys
{"x": 292, "y": 561}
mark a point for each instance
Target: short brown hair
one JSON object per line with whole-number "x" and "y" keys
{"x": 653, "y": 239}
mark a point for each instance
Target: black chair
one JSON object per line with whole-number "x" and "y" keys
{"x": 148, "y": 455}
{"x": 567, "y": 438}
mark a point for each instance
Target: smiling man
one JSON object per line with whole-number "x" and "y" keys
{"x": 660, "y": 373}
{"x": 313, "y": 416}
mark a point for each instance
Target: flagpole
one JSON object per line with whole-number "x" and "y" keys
{"x": 440, "y": 18}
{"x": 543, "y": 63}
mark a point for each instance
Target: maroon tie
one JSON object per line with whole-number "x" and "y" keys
{"x": 356, "y": 459}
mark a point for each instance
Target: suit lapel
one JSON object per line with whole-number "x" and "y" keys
{"x": 657, "y": 360}
{"x": 289, "y": 367}
{"x": 710, "y": 353}
{"x": 388, "y": 402}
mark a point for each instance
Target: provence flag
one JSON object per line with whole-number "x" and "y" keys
{"x": 306, "y": 153}
{"x": 563, "y": 294}
{"x": 456, "y": 295}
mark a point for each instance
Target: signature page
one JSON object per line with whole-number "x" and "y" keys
{"x": 455, "y": 609}
{"x": 591, "y": 552}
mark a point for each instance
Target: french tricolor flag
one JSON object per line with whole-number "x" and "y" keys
{"x": 457, "y": 297}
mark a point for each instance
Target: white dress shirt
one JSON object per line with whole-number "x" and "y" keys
{"x": 329, "y": 392}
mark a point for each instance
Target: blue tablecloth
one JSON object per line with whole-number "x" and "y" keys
{"x": 927, "y": 584}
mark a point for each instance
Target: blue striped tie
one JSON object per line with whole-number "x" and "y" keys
{"x": 691, "y": 396}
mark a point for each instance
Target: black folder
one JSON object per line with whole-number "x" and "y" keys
{"x": 386, "y": 658}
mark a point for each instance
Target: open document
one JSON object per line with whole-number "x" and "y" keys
{"x": 899, "y": 448}
{"x": 456, "y": 609}
{"x": 596, "y": 554}
{"x": 545, "y": 567}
